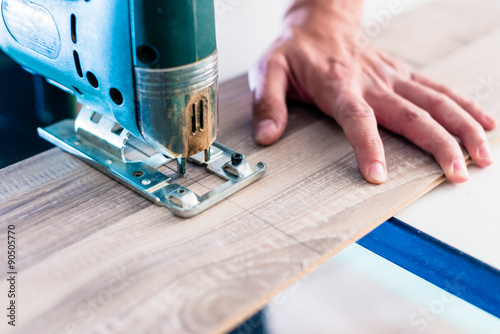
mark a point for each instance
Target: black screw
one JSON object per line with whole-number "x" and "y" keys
{"x": 236, "y": 159}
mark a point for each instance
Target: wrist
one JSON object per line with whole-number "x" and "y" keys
{"x": 325, "y": 12}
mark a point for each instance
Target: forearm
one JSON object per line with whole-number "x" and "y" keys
{"x": 345, "y": 10}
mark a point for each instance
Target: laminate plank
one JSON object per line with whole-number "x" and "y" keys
{"x": 124, "y": 277}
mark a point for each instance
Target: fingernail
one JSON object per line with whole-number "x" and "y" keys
{"x": 484, "y": 151}
{"x": 264, "y": 129}
{"x": 377, "y": 172}
{"x": 460, "y": 169}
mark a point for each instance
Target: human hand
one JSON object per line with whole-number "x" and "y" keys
{"x": 316, "y": 61}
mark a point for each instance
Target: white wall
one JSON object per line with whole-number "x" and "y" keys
{"x": 246, "y": 27}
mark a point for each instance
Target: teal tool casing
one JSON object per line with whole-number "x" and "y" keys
{"x": 151, "y": 65}
{"x": 181, "y": 32}
{"x": 146, "y": 74}
{"x": 175, "y": 63}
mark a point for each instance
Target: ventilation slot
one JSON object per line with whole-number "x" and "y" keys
{"x": 77, "y": 64}
{"x": 193, "y": 118}
{"x": 198, "y": 116}
{"x": 116, "y": 96}
{"x": 92, "y": 80}
{"x": 202, "y": 115}
{"x": 73, "y": 28}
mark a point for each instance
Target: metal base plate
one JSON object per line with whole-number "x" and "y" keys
{"x": 144, "y": 178}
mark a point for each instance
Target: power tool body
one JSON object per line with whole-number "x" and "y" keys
{"x": 146, "y": 73}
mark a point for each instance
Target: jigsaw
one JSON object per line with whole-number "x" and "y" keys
{"x": 146, "y": 75}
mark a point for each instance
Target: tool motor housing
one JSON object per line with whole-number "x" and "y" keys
{"x": 149, "y": 65}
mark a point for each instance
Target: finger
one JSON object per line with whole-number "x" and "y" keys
{"x": 486, "y": 120}
{"x": 451, "y": 116}
{"x": 270, "y": 84}
{"x": 404, "y": 118}
{"x": 360, "y": 127}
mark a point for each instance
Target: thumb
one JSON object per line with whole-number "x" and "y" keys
{"x": 269, "y": 83}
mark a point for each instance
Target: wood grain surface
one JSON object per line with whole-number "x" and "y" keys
{"x": 94, "y": 257}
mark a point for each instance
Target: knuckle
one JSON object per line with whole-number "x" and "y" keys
{"x": 442, "y": 88}
{"x": 428, "y": 145}
{"x": 413, "y": 115}
{"x": 275, "y": 61}
{"x": 272, "y": 59}
{"x": 336, "y": 70}
{"x": 372, "y": 144}
{"x": 462, "y": 124}
{"x": 438, "y": 102}
{"x": 446, "y": 143}
{"x": 454, "y": 120}
{"x": 469, "y": 105}
{"x": 355, "y": 112}
{"x": 474, "y": 127}
{"x": 441, "y": 144}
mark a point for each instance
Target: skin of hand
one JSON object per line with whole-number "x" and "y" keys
{"x": 316, "y": 61}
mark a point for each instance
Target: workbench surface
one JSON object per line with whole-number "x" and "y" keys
{"x": 93, "y": 256}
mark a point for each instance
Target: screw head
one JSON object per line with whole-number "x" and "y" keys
{"x": 236, "y": 159}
